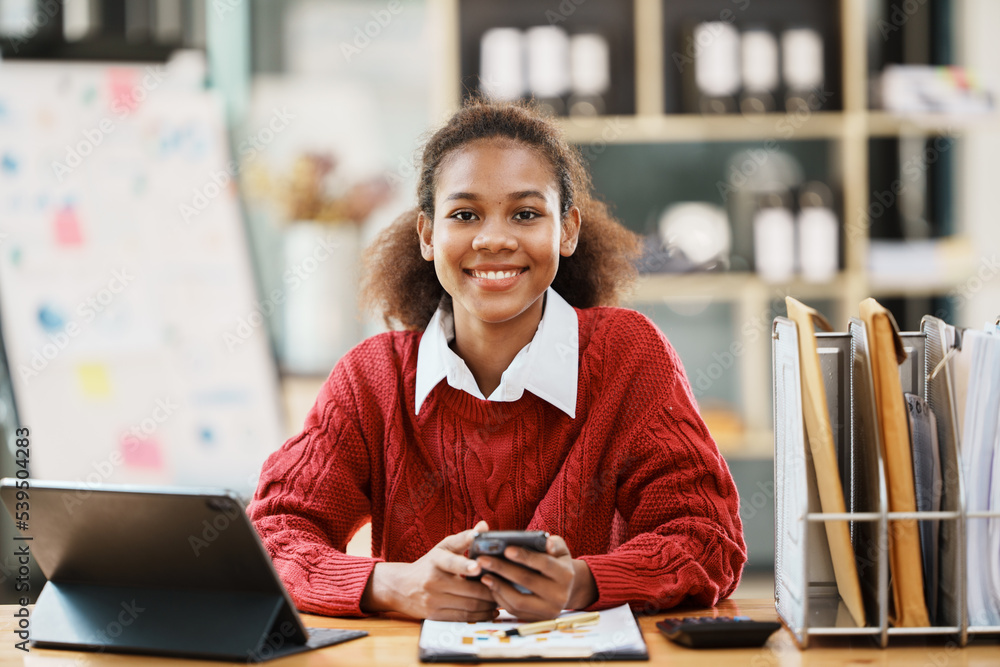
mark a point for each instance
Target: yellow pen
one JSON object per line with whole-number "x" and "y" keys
{"x": 555, "y": 624}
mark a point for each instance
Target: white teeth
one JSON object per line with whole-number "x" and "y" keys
{"x": 494, "y": 275}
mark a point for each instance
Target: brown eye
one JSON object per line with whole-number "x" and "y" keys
{"x": 465, "y": 216}
{"x": 525, "y": 215}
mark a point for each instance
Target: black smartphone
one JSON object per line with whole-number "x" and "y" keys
{"x": 494, "y": 542}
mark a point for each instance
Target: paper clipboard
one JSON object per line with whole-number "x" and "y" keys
{"x": 616, "y": 636}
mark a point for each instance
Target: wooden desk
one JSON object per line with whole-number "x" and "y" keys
{"x": 394, "y": 642}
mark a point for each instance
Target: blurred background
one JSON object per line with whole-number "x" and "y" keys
{"x": 186, "y": 186}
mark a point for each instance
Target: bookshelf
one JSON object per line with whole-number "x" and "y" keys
{"x": 846, "y": 125}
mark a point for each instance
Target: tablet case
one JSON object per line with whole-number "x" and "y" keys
{"x": 199, "y": 585}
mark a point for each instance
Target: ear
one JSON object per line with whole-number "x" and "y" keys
{"x": 425, "y": 232}
{"x": 570, "y": 232}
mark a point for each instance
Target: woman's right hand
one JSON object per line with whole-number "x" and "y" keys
{"x": 433, "y": 587}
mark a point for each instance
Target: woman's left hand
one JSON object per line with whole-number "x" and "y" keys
{"x": 556, "y": 579}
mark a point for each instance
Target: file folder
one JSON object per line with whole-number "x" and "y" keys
{"x": 905, "y": 562}
{"x": 819, "y": 434}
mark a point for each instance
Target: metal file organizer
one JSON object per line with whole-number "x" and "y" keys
{"x": 805, "y": 591}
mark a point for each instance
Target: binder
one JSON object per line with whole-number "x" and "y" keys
{"x": 806, "y": 595}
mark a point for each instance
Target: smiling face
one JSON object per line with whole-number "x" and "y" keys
{"x": 497, "y": 236}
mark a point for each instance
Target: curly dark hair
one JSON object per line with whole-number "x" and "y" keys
{"x": 404, "y": 287}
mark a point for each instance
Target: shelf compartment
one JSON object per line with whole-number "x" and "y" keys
{"x": 886, "y": 124}
{"x": 695, "y": 127}
{"x": 726, "y": 286}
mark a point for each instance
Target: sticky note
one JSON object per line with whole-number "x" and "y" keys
{"x": 142, "y": 452}
{"x": 121, "y": 87}
{"x": 66, "y": 227}
{"x": 93, "y": 380}
{"x": 50, "y": 318}
{"x": 9, "y": 163}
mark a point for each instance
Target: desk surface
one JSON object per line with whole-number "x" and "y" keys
{"x": 393, "y": 641}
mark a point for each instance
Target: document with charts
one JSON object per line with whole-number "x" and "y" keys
{"x": 615, "y": 637}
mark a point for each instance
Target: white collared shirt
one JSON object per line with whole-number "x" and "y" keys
{"x": 547, "y": 366}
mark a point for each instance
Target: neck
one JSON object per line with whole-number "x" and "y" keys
{"x": 488, "y": 347}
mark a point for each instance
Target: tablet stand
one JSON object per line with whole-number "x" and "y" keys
{"x": 224, "y": 625}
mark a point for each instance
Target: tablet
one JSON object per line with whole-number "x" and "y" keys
{"x": 156, "y": 570}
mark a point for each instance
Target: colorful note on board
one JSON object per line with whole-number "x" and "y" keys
{"x": 142, "y": 452}
{"x": 66, "y": 227}
{"x": 93, "y": 380}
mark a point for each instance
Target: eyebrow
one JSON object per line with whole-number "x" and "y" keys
{"x": 471, "y": 196}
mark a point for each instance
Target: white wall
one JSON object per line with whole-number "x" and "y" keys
{"x": 978, "y": 46}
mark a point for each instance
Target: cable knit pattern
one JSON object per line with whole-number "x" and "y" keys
{"x": 635, "y": 484}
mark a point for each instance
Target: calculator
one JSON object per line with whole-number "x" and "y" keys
{"x": 717, "y": 631}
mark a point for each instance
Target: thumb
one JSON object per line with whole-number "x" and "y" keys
{"x": 481, "y": 527}
{"x": 459, "y": 542}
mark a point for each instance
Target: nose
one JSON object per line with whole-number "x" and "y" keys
{"x": 495, "y": 235}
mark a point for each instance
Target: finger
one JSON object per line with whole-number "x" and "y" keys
{"x": 470, "y": 589}
{"x": 513, "y": 572}
{"x": 459, "y": 542}
{"x": 454, "y": 563}
{"x": 543, "y": 562}
{"x": 556, "y": 546}
{"x": 527, "y": 607}
{"x": 461, "y": 603}
{"x": 460, "y": 615}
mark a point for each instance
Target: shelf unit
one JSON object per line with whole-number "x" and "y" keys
{"x": 849, "y": 132}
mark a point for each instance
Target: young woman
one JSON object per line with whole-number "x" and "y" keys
{"x": 515, "y": 398}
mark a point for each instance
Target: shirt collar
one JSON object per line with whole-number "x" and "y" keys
{"x": 547, "y": 366}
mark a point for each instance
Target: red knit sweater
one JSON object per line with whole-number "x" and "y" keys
{"x": 634, "y": 484}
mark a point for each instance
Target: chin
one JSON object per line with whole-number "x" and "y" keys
{"x": 497, "y": 313}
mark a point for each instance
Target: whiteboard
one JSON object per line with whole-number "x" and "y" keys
{"x": 133, "y": 334}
